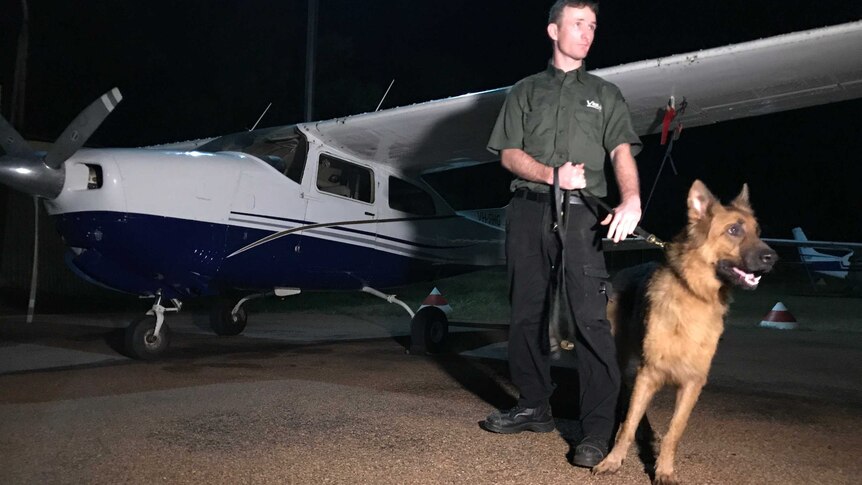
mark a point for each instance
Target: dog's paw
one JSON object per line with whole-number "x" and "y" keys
{"x": 607, "y": 466}
{"x": 665, "y": 479}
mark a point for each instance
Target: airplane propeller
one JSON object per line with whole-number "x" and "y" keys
{"x": 80, "y": 129}
{"x": 42, "y": 174}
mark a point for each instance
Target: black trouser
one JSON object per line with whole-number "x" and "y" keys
{"x": 531, "y": 249}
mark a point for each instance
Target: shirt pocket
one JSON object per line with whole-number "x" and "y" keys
{"x": 590, "y": 121}
{"x": 586, "y": 142}
{"x": 538, "y": 133}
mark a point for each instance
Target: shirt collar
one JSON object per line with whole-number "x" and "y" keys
{"x": 560, "y": 75}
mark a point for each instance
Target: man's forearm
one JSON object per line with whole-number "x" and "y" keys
{"x": 526, "y": 167}
{"x": 626, "y": 172}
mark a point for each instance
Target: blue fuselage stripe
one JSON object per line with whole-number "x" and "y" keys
{"x": 141, "y": 253}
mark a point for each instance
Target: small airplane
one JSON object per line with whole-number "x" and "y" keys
{"x": 840, "y": 265}
{"x": 345, "y": 204}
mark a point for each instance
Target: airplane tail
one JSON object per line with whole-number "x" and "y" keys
{"x": 806, "y": 254}
{"x": 42, "y": 174}
{"x": 820, "y": 262}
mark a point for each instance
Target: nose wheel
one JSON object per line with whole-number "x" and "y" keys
{"x": 148, "y": 337}
{"x": 142, "y": 342}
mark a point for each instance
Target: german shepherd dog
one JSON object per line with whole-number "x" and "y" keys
{"x": 671, "y": 315}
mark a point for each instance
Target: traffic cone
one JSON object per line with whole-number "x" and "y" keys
{"x": 779, "y": 317}
{"x": 435, "y": 298}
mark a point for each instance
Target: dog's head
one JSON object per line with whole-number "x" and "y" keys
{"x": 728, "y": 237}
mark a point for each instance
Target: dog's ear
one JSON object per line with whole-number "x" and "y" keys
{"x": 741, "y": 200}
{"x": 699, "y": 200}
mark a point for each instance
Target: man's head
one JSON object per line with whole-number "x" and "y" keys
{"x": 572, "y": 27}
{"x": 556, "y": 11}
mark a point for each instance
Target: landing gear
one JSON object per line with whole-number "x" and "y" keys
{"x": 142, "y": 342}
{"x": 428, "y": 331}
{"x": 149, "y": 336}
{"x": 428, "y": 327}
{"x": 226, "y": 319}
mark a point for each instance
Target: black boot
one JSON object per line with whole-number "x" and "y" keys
{"x": 519, "y": 419}
{"x": 589, "y": 452}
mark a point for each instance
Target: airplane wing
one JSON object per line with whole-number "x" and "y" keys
{"x": 795, "y": 243}
{"x": 420, "y": 137}
{"x": 764, "y": 76}
{"x": 779, "y": 73}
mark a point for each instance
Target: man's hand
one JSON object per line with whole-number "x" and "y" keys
{"x": 523, "y": 165}
{"x": 624, "y": 219}
{"x": 571, "y": 176}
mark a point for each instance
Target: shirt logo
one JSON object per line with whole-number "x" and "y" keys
{"x": 594, "y": 104}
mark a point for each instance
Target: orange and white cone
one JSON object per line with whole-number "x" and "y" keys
{"x": 779, "y": 317}
{"x": 435, "y": 298}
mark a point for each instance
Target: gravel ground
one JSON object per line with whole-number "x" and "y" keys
{"x": 781, "y": 408}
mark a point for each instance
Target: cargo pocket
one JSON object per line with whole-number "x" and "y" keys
{"x": 597, "y": 288}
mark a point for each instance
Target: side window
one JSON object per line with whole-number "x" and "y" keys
{"x": 283, "y": 148}
{"x": 287, "y": 154}
{"x": 406, "y": 197}
{"x": 345, "y": 179}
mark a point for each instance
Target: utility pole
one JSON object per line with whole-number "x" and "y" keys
{"x": 19, "y": 85}
{"x": 310, "y": 45}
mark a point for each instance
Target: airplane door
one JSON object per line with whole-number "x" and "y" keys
{"x": 338, "y": 244}
{"x": 264, "y": 205}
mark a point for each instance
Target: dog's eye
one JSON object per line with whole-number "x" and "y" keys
{"x": 735, "y": 230}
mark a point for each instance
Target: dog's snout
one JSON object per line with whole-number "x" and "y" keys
{"x": 768, "y": 257}
{"x": 760, "y": 258}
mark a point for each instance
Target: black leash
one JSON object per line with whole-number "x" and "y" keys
{"x": 561, "y": 319}
{"x": 562, "y": 326}
{"x": 639, "y": 231}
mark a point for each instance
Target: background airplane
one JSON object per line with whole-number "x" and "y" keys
{"x": 348, "y": 204}
{"x": 841, "y": 264}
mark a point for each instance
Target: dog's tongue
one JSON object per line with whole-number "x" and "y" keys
{"x": 749, "y": 278}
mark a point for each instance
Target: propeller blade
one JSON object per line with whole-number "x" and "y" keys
{"x": 77, "y": 133}
{"x": 13, "y": 144}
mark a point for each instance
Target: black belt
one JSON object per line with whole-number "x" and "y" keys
{"x": 543, "y": 197}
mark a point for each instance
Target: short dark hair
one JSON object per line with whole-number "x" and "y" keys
{"x": 558, "y": 6}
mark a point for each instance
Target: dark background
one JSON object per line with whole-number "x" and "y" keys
{"x": 190, "y": 69}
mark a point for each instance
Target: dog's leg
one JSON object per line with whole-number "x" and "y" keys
{"x": 686, "y": 397}
{"x": 646, "y": 385}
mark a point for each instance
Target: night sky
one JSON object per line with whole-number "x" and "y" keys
{"x": 190, "y": 69}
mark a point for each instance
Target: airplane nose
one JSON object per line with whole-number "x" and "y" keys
{"x": 27, "y": 173}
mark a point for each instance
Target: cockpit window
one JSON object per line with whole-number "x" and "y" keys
{"x": 285, "y": 149}
{"x": 345, "y": 179}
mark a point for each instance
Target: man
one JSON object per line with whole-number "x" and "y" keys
{"x": 564, "y": 117}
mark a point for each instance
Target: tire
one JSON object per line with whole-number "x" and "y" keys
{"x": 429, "y": 330}
{"x": 225, "y": 324}
{"x": 140, "y": 343}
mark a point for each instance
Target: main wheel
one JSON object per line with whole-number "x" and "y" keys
{"x": 141, "y": 342}
{"x": 428, "y": 330}
{"x": 223, "y": 322}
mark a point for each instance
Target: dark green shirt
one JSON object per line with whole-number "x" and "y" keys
{"x": 558, "y": 116}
